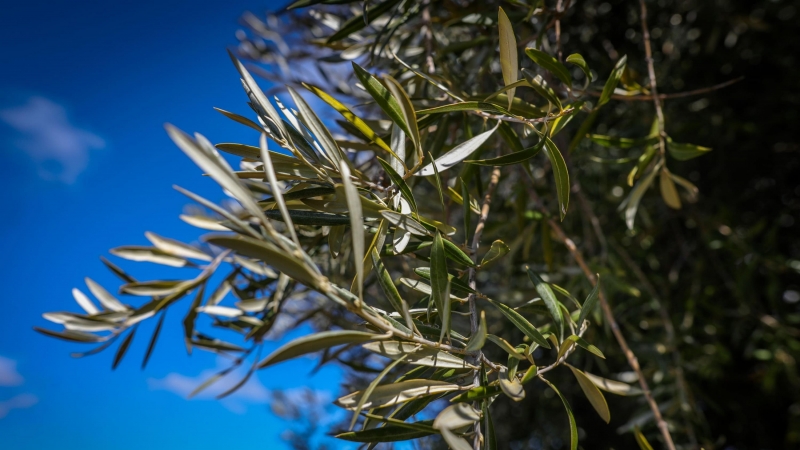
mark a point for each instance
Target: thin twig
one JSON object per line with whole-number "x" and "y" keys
{"x": 427, "y": 32}
{"x": 559, "y": 11}
{"x": 651, "y": 72}
{"x": 668, "y": 327}
{"x": 649, "y": 98}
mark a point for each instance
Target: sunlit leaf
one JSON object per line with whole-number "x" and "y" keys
{"x": 593, "y": 394}
{"x": 612, "y": 82}
{"x": 314, "y": 343}
{"x": 522, "y": 323}
{"x": 496, "y": 251}
{"x": 395, "y": 393}
{"x": 457, "y": 154}
{"x": 382, "y": 97}
{"x": 613, "y": 387}
{"x": 508, "y": 52}
{"x": 561, "y": 175}
{"x": 668, "y": 190}
{"x": 684, "y": 152}
{"x": 502, "y": 343}
{"x": 551, "y": 64}
{"x": 417, "y": 355}
{"x": 578, "y": 60}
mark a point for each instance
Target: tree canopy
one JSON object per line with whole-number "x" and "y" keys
{"x": 517, "y": 224}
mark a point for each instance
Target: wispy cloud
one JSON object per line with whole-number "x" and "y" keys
{"x": 20, "y": 401}
{"x": 287, "y": 403}
{"x": 10, "y": 377}
{"x": 45, "y": 133}
{"x": 253, "y": 392}
{"x": 8, "y": 373}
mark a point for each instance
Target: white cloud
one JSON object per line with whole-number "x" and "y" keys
{"x": 8, "y": 373}
{"x": 287, "y": 403}
{"x": 10, "y": 377}
{"x": 20, "y": 401}
{"x": 253, "y": 392}
{"x": 60, "y": 150}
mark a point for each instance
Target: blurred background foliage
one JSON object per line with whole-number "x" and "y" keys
{"x": 707, "y": 295}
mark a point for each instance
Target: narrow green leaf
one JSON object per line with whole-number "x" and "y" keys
{"x": 356, "y": 225}
{"x": 152, "y": 345}
{"x": 314, "y": 343}
{"x": 439, "y": 278}
{"x": 390, "y": 433}
{"x": 684, "y": 152}
{"x": 104, "y": 297}
{"x": 578, "y": 60}
{"x": 123, "y": 348}
{"x": 457, "y": 154}
{"x": 257, "y": 97}
{"x": 407, "y": 109}
{"x": 561, "y": 175}
{"x": 612, "y": 81}
{"x": 382, "y": 97}
{"x": 477, "y": 340}
{"x": 550, "y": 64}
{"x": 321, "y": 132}
{"x": 620, "y": 142}
{"x": 207, "y": 158}
{"x": 464, "y": 106}
{"x": 496, "y": 251}
{"x": 276, "y": 190}
{"x": 522, "y": 323}
{"x": 84, "y": 302}
{"x": 71, "y": 336}
{"x": 631, "y": 203}
{"x": 395, "y": 393}
{"x": 641, "y": 440}
{"x": 457, "y": 285}
{"x": 438, "y": 185}
{"x": 511, "y": 158}
{"x": 372, "y": 385}
{"x": 398, "y": 181}
{"x": 490, "y": 442}
{"x": 242, "y": 120}
{"x": 593, "y": 394}
{"x": 550, "y": 300}
{"x": 309, "y": 218}
{"x": 540, "y": 86}
{"x": 269, "y": 254}
{"x": 502, "y": 343}
{"x": 573, "y": 427}
{"x": 477, "y": 393}
{"x": 456, "y": 254}
{"x": 508, "y": 53}
{"x": 613, "y": 387}
{"x": 417, "y": 355}
{"x": 385, "y": 280}
{"x": 147, "y": 254}
{"x": 668, "y": 190}
{"x": 405, "y": 222}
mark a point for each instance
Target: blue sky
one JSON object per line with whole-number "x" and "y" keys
{"x": 85, "y": 165}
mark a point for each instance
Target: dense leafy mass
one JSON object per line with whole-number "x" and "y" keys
{"x": 441, "y": 198}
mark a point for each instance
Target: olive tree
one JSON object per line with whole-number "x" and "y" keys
{"x": 417, "y": 194}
